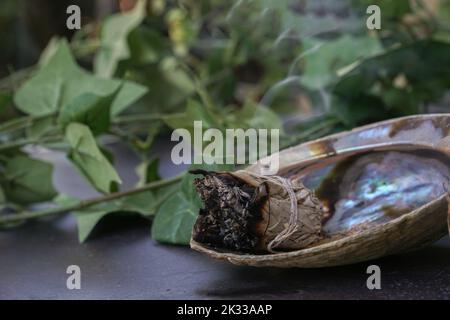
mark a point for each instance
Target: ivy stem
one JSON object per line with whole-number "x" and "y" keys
{"x": 139, "y": 117}
{"x": 28, "y": 121}
{"x": 21, "y": 123}
{"x": 83, "y": 204}
{"x": 23, "y": 142}
{"x": 17, "y": 123}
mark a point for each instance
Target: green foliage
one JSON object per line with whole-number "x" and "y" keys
{"x": 173, "y": 223}
{"x": 88, "y": 158}
{"x": 27, "y": 180}
{"x": 114, "y": 39}
{"x": 194, "y": 112}
{"x": 395, "y": 83}
{"x": 89, "y": 109}
{"x": 60, "y": 81}
{"x": 144, "y": 203}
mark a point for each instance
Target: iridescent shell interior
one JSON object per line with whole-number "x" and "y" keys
{"x": 376, "y": 187}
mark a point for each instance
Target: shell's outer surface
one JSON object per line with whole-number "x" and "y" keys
{"x": 410, "y": 231}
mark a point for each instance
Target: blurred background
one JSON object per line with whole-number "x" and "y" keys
{"x": 309, "y": 68}
{"x": 288, "y": 55}
{"x": 27, "y": 27}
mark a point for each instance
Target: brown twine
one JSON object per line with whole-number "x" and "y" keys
{"x": 293, "y": 218}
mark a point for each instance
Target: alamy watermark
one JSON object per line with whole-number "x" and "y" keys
{"x": 374, "y": 280}
{"x": 373, "y": 22}
{"x": 73, "y": 281}
{"x": 73, "y": 22}
{"x": 234, "y": 146}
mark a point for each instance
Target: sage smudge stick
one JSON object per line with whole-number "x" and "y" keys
{"x": 248, "y": 212}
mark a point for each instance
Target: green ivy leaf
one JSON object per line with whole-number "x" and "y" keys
{"x": 60, "y": 81}
{"x": 130, "y": 93}
{"x": 88, "y": 158}
{"x": 114, "y": 39}
{"x": 86, "y": 222}
{"x": 89, "y": 109}
{"x": 28, "y": 180}
{"x": 175, "y": 220}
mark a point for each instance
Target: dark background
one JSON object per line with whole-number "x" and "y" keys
{"x": 29, "y": 26}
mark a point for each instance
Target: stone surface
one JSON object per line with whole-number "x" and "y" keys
{"x": 121, "y": 261}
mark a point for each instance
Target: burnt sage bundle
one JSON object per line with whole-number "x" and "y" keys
{"x": 247, "y": 212}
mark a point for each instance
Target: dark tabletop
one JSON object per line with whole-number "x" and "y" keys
{"x": 120, "y": 261}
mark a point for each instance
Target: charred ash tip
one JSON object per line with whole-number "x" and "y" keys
{"x": 202, "y": 172}
{"x": 230, "y": 214}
